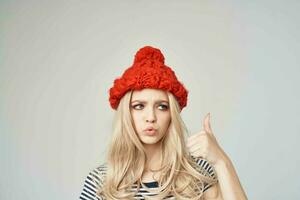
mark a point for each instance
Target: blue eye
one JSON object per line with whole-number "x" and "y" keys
{"x": 165, "y": 107}
{"x": 134, "y": 106}
{"x": 137, "y": 106}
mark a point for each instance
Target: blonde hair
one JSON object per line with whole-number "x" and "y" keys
{"x": 126, "y": 159}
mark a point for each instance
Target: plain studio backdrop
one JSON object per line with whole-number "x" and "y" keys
{"x": 238, "y": 59}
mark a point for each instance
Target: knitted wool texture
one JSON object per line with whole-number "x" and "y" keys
{"x": 148, "y": 71}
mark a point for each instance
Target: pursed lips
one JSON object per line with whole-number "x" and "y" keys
{"x": 150, "y": 128}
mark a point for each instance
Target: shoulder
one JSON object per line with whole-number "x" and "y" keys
{"x": 93, "y": 182}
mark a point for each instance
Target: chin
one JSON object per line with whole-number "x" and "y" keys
{"x": 146, "y": 140}
{"x": 149, "y": 142}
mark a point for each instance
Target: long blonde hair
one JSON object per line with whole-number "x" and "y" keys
{"x": 126, "y": 159}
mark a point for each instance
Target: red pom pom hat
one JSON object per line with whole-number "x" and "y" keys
{"x": 148, "y": 71}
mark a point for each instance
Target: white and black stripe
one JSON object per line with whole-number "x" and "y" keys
{"x": 95, "y": 179}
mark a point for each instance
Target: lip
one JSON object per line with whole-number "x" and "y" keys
{"x": 150, "y": 132}
{"x": 150, "y": 128}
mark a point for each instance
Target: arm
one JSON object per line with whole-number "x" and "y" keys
{"x": 204, "y": 144}
{"x": 228, "y": 186}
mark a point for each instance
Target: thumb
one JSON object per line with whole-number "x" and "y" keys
{"x": 206, "y": 124}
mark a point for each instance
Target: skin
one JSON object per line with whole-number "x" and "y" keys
{"x": 150, "y": 107}
{"x": 204, "y": 144}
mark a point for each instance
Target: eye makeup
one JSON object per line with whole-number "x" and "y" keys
{"x": 164, "y": 106}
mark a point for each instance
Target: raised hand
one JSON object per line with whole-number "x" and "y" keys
{"x": 204, "y": 144}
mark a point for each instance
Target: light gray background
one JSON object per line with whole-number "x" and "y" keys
{"x": 238, "y": 59}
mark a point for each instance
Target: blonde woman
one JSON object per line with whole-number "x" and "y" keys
{"x": 150, "y": 155}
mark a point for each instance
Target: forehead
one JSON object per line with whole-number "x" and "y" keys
{"x": 149, "y": 94}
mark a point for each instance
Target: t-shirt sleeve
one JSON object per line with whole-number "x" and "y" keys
{"x": 92, "y": 183}
{"x": 207, "y": 170}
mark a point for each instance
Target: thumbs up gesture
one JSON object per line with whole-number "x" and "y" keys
{"x": 204, "y": 144}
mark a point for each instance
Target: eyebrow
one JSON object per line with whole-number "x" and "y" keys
{"x": 157, "y": 101}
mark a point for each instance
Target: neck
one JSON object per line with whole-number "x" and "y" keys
{"x": 153, "y": 153}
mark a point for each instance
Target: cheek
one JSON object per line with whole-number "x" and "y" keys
{"x": 165, "y": 121}
{"x": 137, "y": 119}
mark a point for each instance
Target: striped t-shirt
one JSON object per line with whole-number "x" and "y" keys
{"x": 95, "y": 179}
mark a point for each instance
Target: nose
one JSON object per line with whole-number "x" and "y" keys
{"x": 150, "y": 116}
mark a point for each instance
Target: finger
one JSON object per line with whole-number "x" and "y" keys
{"x": 195, "y": 142}
{"x": 197, "y": 152}
{"x": 201, "y": 132}
{"x": 195, "y": 148}
{"x": 195, "y": 138}
{"x": 196, "y": 135}
{"x": 206, "y": 125}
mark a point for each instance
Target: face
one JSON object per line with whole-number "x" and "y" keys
{"x": 150, "y": 109}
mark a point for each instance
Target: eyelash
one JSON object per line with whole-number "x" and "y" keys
{"x": 166, "y": 107}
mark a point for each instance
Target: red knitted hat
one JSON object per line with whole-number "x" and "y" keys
{"x": 148, "y": 71}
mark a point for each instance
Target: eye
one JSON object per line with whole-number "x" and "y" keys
{"x": 165, "y": 107}
{"x": 140, "y": 106}
{"x": 137, "y": 105}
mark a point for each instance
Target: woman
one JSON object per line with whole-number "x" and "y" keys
{"x": 150, "y": 156}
